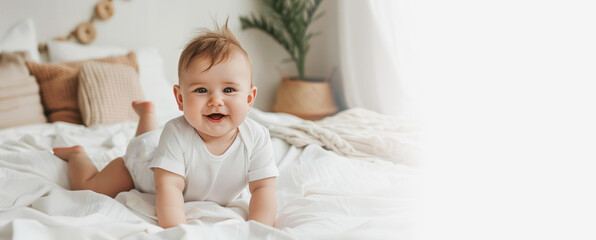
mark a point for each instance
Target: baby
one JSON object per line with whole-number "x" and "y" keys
{"x": 209, "y": 154}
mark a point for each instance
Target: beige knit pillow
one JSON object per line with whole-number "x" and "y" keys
{"x": 106, "y": 92}
{"x": 59, "y": 84}
{"x": 19, "y": 94}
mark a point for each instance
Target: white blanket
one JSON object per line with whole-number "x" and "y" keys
{"x": 321, "y": 195}
{"x": 356, "y": 132}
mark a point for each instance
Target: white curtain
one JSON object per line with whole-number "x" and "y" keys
{"x": 376, "y": 55}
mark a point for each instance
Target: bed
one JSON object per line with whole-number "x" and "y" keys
{"x": 349, "y": 176}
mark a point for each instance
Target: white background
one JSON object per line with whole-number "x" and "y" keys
{"x": 509, "y": 105}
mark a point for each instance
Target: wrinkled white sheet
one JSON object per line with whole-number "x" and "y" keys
{"x": 321, "y": 195}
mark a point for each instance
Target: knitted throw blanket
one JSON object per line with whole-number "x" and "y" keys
{"x": 356, "y": 132}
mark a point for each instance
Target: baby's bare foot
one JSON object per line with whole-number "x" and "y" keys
{"x": 66, "y": 153}
{"x": 143, "y": 107}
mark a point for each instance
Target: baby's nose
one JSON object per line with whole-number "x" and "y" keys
{"x": 215, "y": 100}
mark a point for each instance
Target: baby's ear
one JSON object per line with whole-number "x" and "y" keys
{"x": 178, "y": 96}
{"x": 252, "y": 94}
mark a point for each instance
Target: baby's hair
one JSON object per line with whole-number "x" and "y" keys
{"x": 214, "y": 45}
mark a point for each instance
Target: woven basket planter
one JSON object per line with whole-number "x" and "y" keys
{"x": 307, "y": 100}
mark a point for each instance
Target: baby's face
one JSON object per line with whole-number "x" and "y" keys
{"x": 215, "y": 102}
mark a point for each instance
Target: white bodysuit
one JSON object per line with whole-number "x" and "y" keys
{"x": 181, "y": 150}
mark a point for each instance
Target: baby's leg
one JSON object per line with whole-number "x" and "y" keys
{"x": 83, "y": 175}
{"x": 147, "y": 120}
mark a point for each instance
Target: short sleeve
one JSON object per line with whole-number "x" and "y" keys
{"x": 262, "y": 162}
{"x": 169, "y": 155}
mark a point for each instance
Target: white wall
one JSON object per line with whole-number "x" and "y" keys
{"x": 168, "y": 25}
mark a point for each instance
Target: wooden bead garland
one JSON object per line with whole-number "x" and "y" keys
{"x": 104, "y": 9}
{"x": 85, "y": 32}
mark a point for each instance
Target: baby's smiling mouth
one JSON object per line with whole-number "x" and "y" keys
{"x": 215, "y": 117}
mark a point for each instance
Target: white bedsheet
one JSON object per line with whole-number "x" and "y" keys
{"x": 321, "y": 195}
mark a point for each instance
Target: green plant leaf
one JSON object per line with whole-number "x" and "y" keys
{"x": 287, "y": 22}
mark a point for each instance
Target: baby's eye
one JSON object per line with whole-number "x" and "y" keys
{"x": 229, "y": 90}
{"x": 201, "y": 90}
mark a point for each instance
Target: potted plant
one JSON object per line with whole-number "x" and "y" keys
{"x": 287, "y": 22}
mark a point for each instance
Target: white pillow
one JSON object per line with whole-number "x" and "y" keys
{"x": 60, "y": 51}
{"x": 156, "y": 87}
{"x": 21, "y": 37}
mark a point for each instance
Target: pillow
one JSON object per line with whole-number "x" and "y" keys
{"x": 156, "y": 87}
{"x": 59, "y": 86}
{"x": 21, "y": 37}
{"x": 19, "y": 93}
{"x": 62, "y": 51}
{"x": 106, "y": 92}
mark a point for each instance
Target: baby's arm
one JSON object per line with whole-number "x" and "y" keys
{"x": 263, "y": 203}
{"x": 169, "y": 200}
